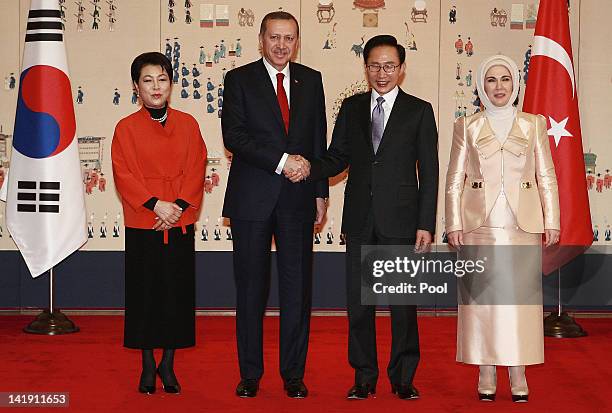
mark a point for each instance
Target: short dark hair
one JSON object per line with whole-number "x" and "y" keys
{"x": 152, "y": 59}
{"x": 277, "y": 15}
{"x": 384, "y": 40}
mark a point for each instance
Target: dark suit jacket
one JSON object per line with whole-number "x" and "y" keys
{"x": 254, "y": 132}
{"x": 387, "y": 182}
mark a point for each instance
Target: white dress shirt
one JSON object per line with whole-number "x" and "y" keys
{"x": 387, "y": 104}
{"x": 286, "y": 85}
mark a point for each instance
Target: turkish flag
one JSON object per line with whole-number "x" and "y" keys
{"x": 551, "y": 91}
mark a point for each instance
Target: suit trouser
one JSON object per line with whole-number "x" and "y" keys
{"x": 252, "y": 241}
{"x": 362, "y": 353}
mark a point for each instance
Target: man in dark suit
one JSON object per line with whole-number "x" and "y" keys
{"x": 273, "y": 117}
{"x": 388, "y": 139}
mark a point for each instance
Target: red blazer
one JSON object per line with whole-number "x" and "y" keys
{"x": 151, "y": 160}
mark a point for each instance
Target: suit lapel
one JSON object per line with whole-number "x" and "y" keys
{"x": 394, "y": 119}
{"x": 486, "y": 132}
{"x": 519, "y": 126}
{"x": 295, "y": 95}
{"x": 365, "y": 119}
{"x": 486, "y": 142}
{"x": 267, "y": 91}
{"x": 517, "y": 142}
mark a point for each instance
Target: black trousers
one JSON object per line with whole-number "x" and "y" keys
{"x": 362, "y": 354}
{"x": 252, "y": 242}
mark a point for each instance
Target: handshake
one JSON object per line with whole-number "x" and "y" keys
{"x": 297, "y": 168}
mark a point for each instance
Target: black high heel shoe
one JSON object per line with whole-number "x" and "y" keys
{"x": 169, "y": 388}
{"x": 486, "y": 397}
{"x": 143, "y": 386}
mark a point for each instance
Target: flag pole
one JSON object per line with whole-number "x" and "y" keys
{"x": 45, "y": 202}
{"x": 51, "y": 290}
{"x": 51, "y": 322}
{"x": 559, "y": 292}
{"x": 561, "y": 324}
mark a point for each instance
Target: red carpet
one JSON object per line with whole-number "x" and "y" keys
{"x": 102, "y": 376}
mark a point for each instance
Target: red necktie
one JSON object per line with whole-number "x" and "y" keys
{"x": 282, "y": 100}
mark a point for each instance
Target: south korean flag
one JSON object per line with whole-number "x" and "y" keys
{"x": 45, "y": 204}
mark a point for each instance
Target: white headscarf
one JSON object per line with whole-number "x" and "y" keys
{"x": 500, "y": 117}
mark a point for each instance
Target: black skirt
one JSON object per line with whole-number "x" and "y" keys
{"x": 159, "y": 289}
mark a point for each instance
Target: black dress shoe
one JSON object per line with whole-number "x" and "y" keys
{"x": 361, "y": 391}
{"x": 169, "y": 383}
{"x": 296, "y": 389}
{"x": 405, "y": 391}
{"x": 247, "y": 388}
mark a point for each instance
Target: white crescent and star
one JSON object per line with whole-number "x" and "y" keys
{"x": 543, "y": 46}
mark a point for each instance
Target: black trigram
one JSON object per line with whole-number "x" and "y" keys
{"x": 44, "y": 26}
{"x": 31, "y": 199}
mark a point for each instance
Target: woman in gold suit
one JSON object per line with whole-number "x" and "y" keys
{"x": 501, "y": 189}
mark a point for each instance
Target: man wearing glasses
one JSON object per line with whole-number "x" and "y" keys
{"x": 388, "y": 139}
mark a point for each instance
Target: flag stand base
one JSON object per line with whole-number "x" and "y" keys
{"x": 562, "y": 326}
{"x": 51, "y": 324}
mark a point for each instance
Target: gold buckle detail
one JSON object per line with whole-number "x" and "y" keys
{"x": 526, "y": 185}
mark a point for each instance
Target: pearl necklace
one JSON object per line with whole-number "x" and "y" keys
{"x": 162, "y": 119}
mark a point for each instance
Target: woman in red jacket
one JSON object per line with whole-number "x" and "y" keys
{"x": 159, "y": 161}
